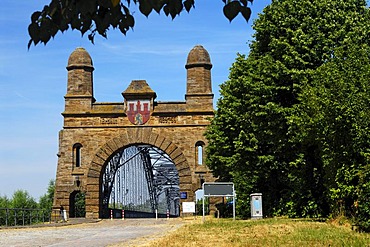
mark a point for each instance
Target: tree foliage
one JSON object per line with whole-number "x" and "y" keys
{"x": 22, "y": 199}
{"x": 46, "y": 201}
{"x": 4, "y": 202}
{"x": 290, "y": 121}
{"x": 22, "y": 208}
{"x": 98, "y": 16}
{"x": 340, "y": 95}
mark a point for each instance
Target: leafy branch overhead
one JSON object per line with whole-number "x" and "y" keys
{"x": 98, "y": 16}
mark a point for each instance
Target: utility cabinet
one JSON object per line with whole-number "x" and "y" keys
{"x": 256, "y": 206}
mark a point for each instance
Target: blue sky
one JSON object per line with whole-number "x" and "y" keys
{"x": 33, "y": 82}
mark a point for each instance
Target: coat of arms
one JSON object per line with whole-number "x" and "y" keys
{"x": 138, "y": 111}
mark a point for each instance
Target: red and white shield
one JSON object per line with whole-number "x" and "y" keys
{"x": 138, "y": 111}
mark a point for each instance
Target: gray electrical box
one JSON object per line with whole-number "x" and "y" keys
{"x": 256, "y": 206}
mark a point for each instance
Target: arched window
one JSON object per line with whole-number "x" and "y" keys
{"x": 199, "y": 152}
{"x": 77, "y": 154}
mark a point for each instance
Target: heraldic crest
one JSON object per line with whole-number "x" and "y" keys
{"x": 138, "y": 98}
{"x": 138, "y": 111}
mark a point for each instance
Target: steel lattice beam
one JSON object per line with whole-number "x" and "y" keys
{"x": 141, "y": 165}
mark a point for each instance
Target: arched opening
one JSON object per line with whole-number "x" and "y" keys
{"x": 77, "y": 154}
{"x": 77, "y": 204}
{"x": 141, "y": 180}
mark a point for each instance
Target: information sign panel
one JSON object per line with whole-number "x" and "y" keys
{"x": 188, "y": 207}
{"x": 218, "y": 189}
{"x": 183, "y": 195}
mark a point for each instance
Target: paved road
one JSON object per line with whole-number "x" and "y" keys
{"x": 130, "y": 232}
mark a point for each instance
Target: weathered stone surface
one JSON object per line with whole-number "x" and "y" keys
{"x": 186, "y": 180}
{"x": 159, "y": 141}
{"x": 176, "y": 154}
{"x": 153, "y": 138}
{"x": 103, "y": 129}
{"x": 186, "y": 187}
{"x": 170, "y": 149}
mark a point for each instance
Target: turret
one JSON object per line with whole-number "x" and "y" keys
{"x": 199, "y": 94}
{"x": 79, "y": 97}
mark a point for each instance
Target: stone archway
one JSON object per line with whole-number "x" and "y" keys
{"x": 93, "y": 131}
{"x": 142, "y": 136}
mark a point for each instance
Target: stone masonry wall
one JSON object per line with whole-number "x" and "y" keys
{"x": 103, "y": 129}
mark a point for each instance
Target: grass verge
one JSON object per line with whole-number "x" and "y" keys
{"x": 266, "y": 232}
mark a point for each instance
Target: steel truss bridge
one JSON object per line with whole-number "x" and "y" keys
{"x": 141, "y": 179}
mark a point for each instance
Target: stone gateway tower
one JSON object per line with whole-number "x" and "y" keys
{"x": 93, "y": 133}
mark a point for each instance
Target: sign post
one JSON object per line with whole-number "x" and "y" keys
{"x": 219, "y": 189}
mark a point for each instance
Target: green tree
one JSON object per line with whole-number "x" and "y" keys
{"x": 362, "y": 206}
{"x": 334, "y": 111}
{"x": 4, "y": 203}
{"x": 98, "y": 16}
{"x": 20, "y": 203}
{"x": 46, "y": 201}
{"x": 253, "y": 138}
{"x": 22, "y": 199}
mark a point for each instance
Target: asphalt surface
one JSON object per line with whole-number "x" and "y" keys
{"x": 129, "y": 232}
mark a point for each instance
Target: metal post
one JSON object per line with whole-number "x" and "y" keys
{"x": 123, "y": 214}
{"x": 6, "y": 217}
{"x": 111, "y": 214}
{"x": 234, "y": 204}
{"x": 203, "y": 219}
{"x": 156, "y": 214}
{"x": 168, "y": 214}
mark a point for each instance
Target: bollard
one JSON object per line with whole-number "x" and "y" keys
{"x": 65, "y": 215}
{"x": 156, "y": 214}
{"x": 168, "y": 214}
{"x": 123, "y": 214}
{"x": 111, "y": 214}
